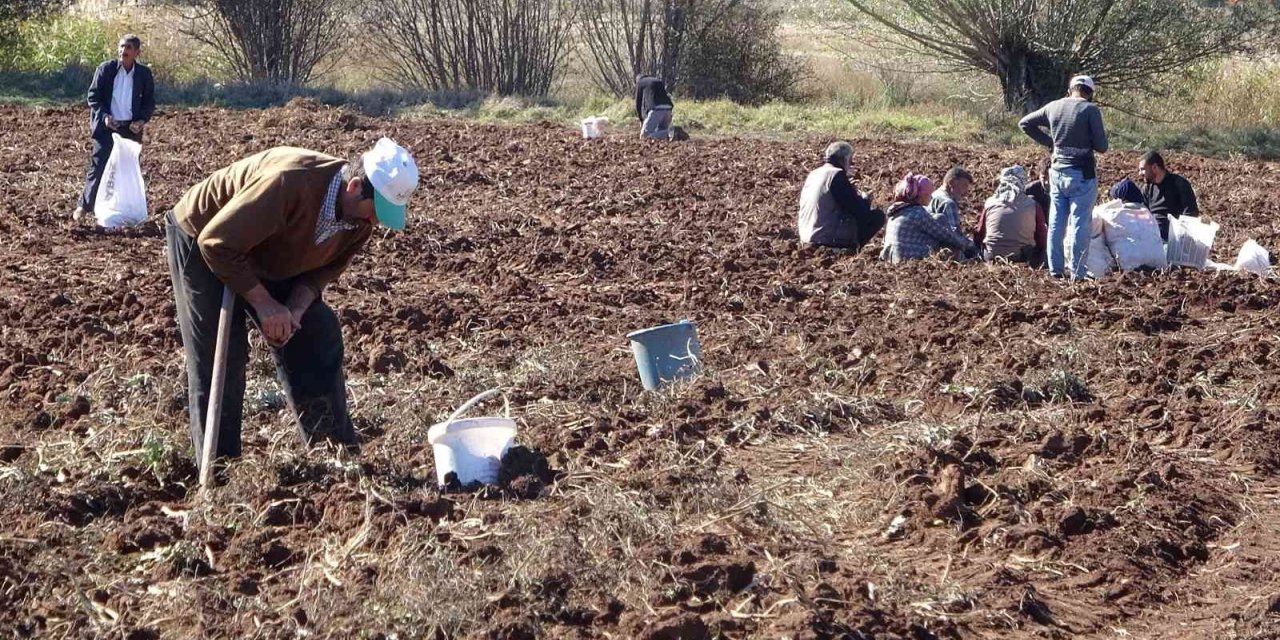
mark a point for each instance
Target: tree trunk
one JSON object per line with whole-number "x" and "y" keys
{"x": 1029, "y": 81}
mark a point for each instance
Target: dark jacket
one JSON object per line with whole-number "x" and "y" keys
{"x": 650, "y": 92}
{"x": 104, "y": 79}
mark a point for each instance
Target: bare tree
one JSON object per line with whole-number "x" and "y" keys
{"x": 624, "y": 38}
{"x": 1034, "y": 46}
{"x": 510, "y": 47}
{"x": 288, "y": 41}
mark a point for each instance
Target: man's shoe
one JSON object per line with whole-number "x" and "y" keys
{"x": 79, "y": 214}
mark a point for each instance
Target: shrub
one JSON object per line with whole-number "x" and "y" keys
{"x": 740, "y": 58}
{"x": 701, "y": 48}
{"x": 499, "y": 46}
{"x": 49, "y": 45}
{"x": 279, "y": 41}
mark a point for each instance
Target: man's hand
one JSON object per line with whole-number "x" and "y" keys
{"x": 136, "y": 127}
{"x": 300, "y": 299}
{"x": 109, "y": 121}
{"x": 274, "y": 319}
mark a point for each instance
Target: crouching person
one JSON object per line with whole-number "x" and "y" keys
{"x": 832, "y": 212}
{"x": 912, "y": 233}
{"x": 1013, "y": 226}
{"x": 277, "y": 227}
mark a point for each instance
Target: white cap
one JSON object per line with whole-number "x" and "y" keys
{"x": 1082, "y": 81}
{"x": 394, "y": 176}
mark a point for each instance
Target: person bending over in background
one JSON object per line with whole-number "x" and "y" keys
{"x": 946, "y": 203}
{"x": 277, "y": 228}
{"x": 832, "y": 213}
{"x": 653, "y": 107}
{"x": 122, "y": 99}
{"x": 1012, "y": 225}
{"x": 1076, "y": 135}
{"x": 912, "y": 233}
{"x": 1167, "y": 194}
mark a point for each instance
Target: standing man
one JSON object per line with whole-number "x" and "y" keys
{"x": 276, "y": 228}
{"x": 1167, "y": 194}
{"x": 653, "y": 107}
{"x": 122, "y": 99}
{"x": 945, "y": 205}
{"x": 1075, "y": 133}
{"x": 832, "y": 212}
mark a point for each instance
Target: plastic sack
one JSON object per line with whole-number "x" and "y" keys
{"x": 1190, "y": 241}
{"x": 1133, "y": 235}
{"x": 122, "y": 195}
{"x": 1098, "y": 262}
{"x": 1253, "y": 258}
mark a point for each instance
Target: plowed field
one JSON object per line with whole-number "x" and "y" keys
{"x": 922, "y": 451}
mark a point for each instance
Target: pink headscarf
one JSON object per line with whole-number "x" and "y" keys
{"x": 911, "y": 187}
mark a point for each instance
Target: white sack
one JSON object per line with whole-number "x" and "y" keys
{"x": 122, "y": 195}
{"x": 1133, "y": 235}
{"x": 1253, "y": 258}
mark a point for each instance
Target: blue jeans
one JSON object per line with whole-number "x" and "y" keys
{"x": 1071, "y": 200}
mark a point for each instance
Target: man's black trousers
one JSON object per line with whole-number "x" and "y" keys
{"x": 309, "y": 366}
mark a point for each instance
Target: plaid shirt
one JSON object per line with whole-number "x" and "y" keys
{"x": 913, "y": 234}
{"x": 328, "y": 223}
{"x": 944, "y": 209}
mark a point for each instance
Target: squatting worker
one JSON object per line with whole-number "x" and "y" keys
{"x": 1076, "y": 135}
{"x": 122, "y": 99}
{"x": 832, "y": 212}
{"x": 653, "y": 107}
{"x": 277, "y": 227}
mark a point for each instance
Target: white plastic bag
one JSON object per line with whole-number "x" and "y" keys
{"x": 1253, "y": 258}
{"x": 122, "y": 195}
{"x": 1098, "y": 262}
{"x": 1133, "y": 235}
{"x": 594, "y": 127}
{"x": 1190, "y": 241}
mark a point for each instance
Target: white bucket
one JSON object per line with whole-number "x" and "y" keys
{"x": 471, "y": 447}
{"x": 594, "y": 127}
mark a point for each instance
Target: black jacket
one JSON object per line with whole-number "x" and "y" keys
{"x": 104, "y": 79}
{"x": 650, "y": 92}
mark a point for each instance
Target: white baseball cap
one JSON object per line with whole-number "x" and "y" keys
{"x": 1082, "y": 81}
{"x": 394, "y": 176}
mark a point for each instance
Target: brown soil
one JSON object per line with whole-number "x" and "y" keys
{"x": 921, "y": 451}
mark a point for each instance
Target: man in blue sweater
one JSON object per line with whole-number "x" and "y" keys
{"x": 1075, "y": 133}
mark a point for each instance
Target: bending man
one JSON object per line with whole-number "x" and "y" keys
{"x": 276, "y": 228}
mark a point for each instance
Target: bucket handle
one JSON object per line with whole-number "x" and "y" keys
{"x": 481, "y": 397}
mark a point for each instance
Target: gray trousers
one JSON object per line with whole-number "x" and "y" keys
{"x": 657, "y": 123}
{"x": 309, "y": 366}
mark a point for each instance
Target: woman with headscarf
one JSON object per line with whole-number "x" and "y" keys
{"x": 1013, "y": 225}
{"x": 913, "y": 234}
